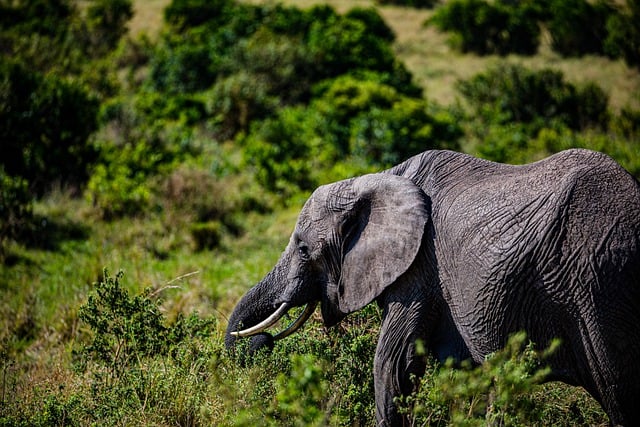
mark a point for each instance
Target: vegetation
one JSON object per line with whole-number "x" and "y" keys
{"x": 181, "y": 157}
{"x": 576, "y": 27}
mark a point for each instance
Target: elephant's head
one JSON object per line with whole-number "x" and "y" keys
{"x": 353, "y": 239}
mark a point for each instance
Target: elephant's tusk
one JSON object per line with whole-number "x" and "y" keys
{"x": 269, "y": 321}
{"x": 308, "y": 311}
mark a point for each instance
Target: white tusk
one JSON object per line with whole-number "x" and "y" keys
{"x": 269, "y": 321}
{"x": 308, "y": 311}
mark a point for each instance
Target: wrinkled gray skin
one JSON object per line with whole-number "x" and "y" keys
{"x": 461, "y": 252}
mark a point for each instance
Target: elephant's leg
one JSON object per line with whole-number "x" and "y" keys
{"x": 395, "y": 361}
{"x": 613, "y": 353}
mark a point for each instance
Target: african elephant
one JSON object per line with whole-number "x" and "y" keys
{"x": 461, "y": 252}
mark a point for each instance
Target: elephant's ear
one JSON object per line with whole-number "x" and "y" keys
{"x": 382, "y": 234}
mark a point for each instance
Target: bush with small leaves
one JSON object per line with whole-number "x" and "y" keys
{"x": 16, "y": 208}
{"x": 512, "y": 93}
{"x": 45, "y": 125}
{"x": 125, "y": 329}
{"x": 578, "y": 27}
{"x": 623, "y": 34}
{"x": 498, "y": 392}
{"x": 490, "y": 28}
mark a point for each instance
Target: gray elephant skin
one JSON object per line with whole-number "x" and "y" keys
{"x": 460, "y": 253}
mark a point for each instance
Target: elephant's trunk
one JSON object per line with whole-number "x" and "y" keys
{"x": 256, "y": 306}
{"x": 259, "y": 304}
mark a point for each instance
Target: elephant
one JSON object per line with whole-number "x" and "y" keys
{"x": 459, "y": 253}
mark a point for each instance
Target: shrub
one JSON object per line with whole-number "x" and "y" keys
{"x": 578, "y": 27}
{"x": 45, "y": 124}
{"x": 508, "y": 92}
{"x": 373, "y": 21}
{"x": 281, "y": 62}
{"x": 45, "y": 17}
{"x": 496, "y": 392}
{"x": 627, "y": 123}
{"x": 120, "y": 184}
{"x": 490, "y": 28}
{"x": 281, "y": 151}
{"x": 623, "y": 34}
{"x": 136, "y": 358}
{"x": 351, "y": 122}
{"x": 184, "y": 63}
{"x": 344, "y": 44}
{"x": 16, "y": 210}
{"x": 106, "y": 21}
{"x": 184, "y": 14}
{"x": 300, "y": 394}
{"x": 387, "y": 137}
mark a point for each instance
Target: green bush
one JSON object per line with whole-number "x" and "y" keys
{"x": 512, "y": 93}
{"x": 136, "y": 357}
{"x": 45, "y": 125}
{"x": 351, "y": 121}
{"x": 183, "y": 14}
{"x": 490, "y": 28}
{"x": 58, "y": 36}
{"x": 343, "y": 44}
{"x": 16, "y": 210}
{"x": 44, "y": 17}
{"x": 120, "y": 184}
{"x": 300, "y": 394}
{"x": 281, "y": 62}
{"x": 578, "y": 27}
{"x": 498, "y": 392}
{"x": 517, "y": 144}
{"x": 126, "y": 329}
{"x": 387, "y": 137}
{"x": 623, "y": 34}
{"x": 184, "y": 63}
{"x": 106, "y": 22}
{"x": 373, "y": 21}
{"x": 281, "y": 151}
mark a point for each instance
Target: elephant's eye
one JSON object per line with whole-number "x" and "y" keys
{"x": 303, "y": 250}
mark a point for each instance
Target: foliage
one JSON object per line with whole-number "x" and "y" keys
{"x": 496, "y": 392}
{"x": 59, "y": 36}
{"x": 265, "y": 56}
{"x": 512, "y": 93}
{"x": 45, "y": 124}
{"x": 300, "y": 393}
{"x": 368, "y": 122}
{"x": 106, "y": 21}
{"x": 280, "y": 150}
{"x": 183, "y": 14}
{"x": 578, "y": 27}
{"x": 128, "y": 332}
{"x": 16, "y": 211}
{"x": 484, "y": 28}
{"x": 119, "y": 184}
{"x": 127, "y": 329}
{"x": 623, "y": 34}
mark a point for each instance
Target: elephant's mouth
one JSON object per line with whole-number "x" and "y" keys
{"x": 275, "y": 317}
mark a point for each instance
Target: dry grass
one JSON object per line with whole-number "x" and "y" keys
{"x": 147, "y": 17}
